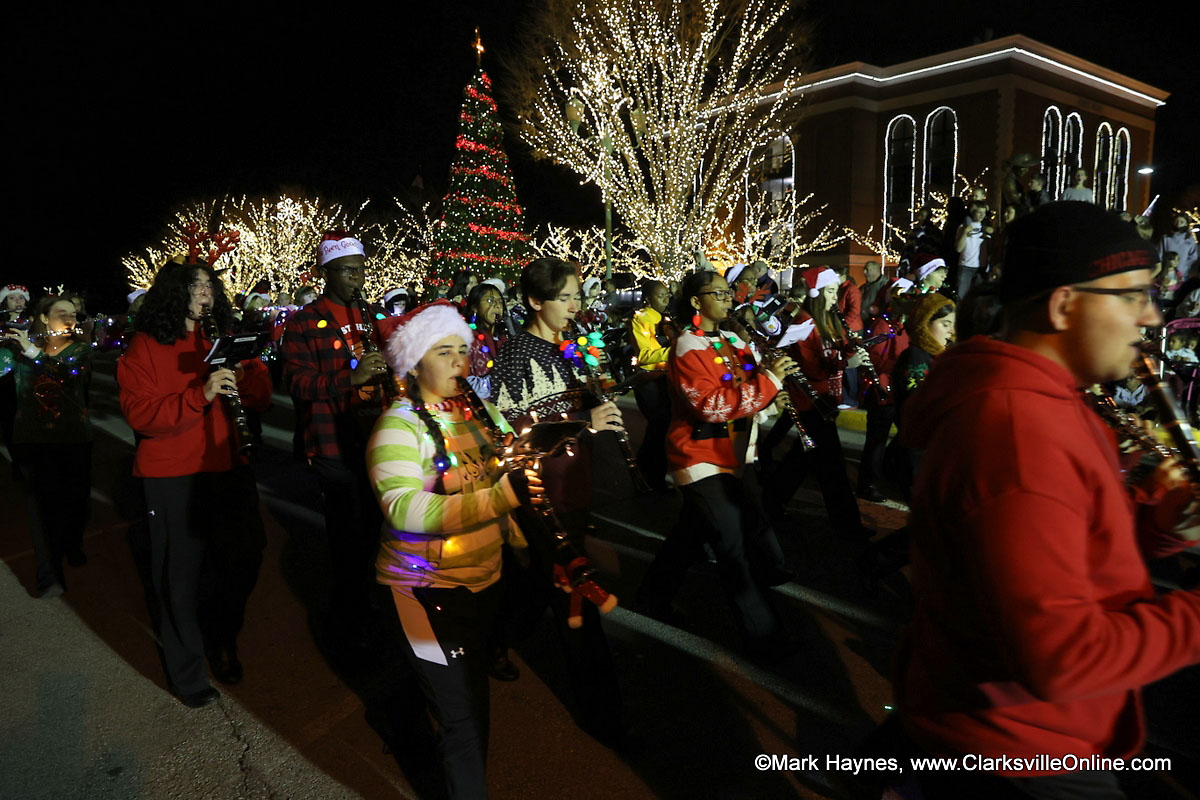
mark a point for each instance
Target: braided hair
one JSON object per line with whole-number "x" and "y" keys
{"x": 442, "y": 461}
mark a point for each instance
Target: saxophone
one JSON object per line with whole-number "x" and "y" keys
{"x": 1172, "y": 417}
{"x": 241, "y": 422}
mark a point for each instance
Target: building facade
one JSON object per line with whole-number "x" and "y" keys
{"x": 877, "y": 143}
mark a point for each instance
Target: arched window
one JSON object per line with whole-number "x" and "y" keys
{"x": 1072, "y": 150}
{"x": 1103, "y": 166}
{"x": 1052, "y": 151}
{"x": 1120, "y": 175}
{"x": 941, "y": 152}
{"x": 899, "y": 172}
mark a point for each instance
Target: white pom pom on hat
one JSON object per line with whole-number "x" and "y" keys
{"x": 818, "y": 278}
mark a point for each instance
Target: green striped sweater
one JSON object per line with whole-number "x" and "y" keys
{"x": 431, "y": 538}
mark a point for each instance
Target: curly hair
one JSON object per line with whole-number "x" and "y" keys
{"x": 164, "y": 310}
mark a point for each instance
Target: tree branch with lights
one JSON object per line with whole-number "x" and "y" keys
{"x": 659, "y": 104}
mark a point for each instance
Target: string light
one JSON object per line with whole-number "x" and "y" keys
{"x": 694, "y": 76}
{"x": 1052, "y": 135}
{"x": 1074, "y": 145}
{"x": 1103, "y": 194}
{"x": 927, "y": 166}
{"x": 1121, "y": 166}
{"x": 887, "y": 183}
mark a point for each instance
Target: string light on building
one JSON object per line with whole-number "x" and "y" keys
{"x": 888, "y": 183}
{"x": 926, "y": 165}
{"x": 1052, "y": 144}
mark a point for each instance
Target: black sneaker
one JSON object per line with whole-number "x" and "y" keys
{"x": 199, "y": 699}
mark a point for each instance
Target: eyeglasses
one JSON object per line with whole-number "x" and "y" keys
{"x": 1141, "y": 296}
{"x": 720, "y": 294}
{"x": 199, "y": 288}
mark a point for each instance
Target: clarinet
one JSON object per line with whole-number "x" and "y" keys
{"x": 796, "y": 378}
{"x": 241, "y": 422}
{"x": 368, "y": 340}
{"x": 1172, "y": 417}
{"x": 882, "y": 390}
{"x": 593, "y": 384}
{"x": 577, "y": 570}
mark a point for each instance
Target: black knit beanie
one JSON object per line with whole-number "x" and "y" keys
{"x": 1064, "y": 243}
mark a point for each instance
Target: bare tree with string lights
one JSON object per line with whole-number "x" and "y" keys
{"x": 659, "y": 103}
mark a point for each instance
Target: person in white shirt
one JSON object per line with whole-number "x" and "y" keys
{"x": 1078, "y": 191}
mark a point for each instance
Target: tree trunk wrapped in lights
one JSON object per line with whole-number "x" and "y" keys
{"x": 659, "y": 103}
{"x": 480, "y": 228}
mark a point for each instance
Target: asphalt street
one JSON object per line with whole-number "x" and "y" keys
{"x": 86, "y": 713}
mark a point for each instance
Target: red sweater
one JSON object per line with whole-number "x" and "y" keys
{"x": 162, "y": 397}
{"x": 1035, "y": 621}
{"x": 706, "y": 409}
{"x": 850, "y": 304}
{"x": 821, "y": 364}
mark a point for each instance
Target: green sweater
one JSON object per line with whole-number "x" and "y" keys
{"x": 443, "y": 538}
{"x": 50, "y": 395}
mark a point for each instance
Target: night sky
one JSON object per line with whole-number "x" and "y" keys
{"x": 120, "y": 116}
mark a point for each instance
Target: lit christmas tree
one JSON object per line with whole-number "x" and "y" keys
{"x": 481, "y": 221}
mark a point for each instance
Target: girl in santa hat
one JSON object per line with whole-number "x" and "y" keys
{"x": 434, "y": 466}
{"x": 822, "y": 351}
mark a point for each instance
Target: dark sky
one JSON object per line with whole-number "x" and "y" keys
{"x": 121, "y": 115}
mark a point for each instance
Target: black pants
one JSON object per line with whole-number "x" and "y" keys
{"x": 60, "y": 485}
{"x": 724, "y": 511}
{"x": 458, "y": 691}
{"x": 879, "y": 425}
{"x": 352, "y": 524}
{"x": 654, "y": 401}
{"x": 207, "y": 540}
{"x": 828, "y": 465}
{"x": 589, "y": 661}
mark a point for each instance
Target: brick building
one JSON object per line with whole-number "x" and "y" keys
{"x": 877, "y": 142}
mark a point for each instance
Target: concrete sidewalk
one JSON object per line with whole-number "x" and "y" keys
{"x": 76, "y": 721}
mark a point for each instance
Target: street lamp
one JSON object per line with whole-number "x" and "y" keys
{"x": 574, "y": 111}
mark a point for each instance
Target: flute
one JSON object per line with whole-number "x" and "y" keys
{"x": 795, "y": 378}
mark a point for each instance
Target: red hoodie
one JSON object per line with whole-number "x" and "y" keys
{"x": 162, "y": 397}
{"x": 1035, "y": 621}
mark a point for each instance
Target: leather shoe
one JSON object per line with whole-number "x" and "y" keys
{"x": 226, "y": 667}
{"x": 199, "y": 699}
{"x": 502, "y": 668}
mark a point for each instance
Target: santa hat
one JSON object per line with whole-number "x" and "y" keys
{"x": 134, "y": 295}
{"x": 393, "y": 294}
{"x": 420, "y": 329}
{"x": 818, "y": 278}
{"x": 337, "y": 244}
{"x": 266, "y": 298}
{"x": 732, "y": 273}
{"x": 926, "y": 263}
{"x": 588, "y": 284}
{"x": 13, "y": 288}
{"x": 499, "y": 284}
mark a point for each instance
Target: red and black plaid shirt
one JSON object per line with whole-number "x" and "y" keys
{"x": 336, "y": 417}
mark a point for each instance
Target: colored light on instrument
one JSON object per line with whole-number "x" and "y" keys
{"x": 582, "y": 340}
{"x": 354, "y": 363}
{"x": 378, "y": 315}
{"x": 337, "y": 345}
{"x": 591, "y": 360}
{"x": 322, "y": 324}
{"x": 747, "y": 367}
{"x": 718, "y": 344}
{"x": 726, "y": 377}
{"x": 486, "y": 349}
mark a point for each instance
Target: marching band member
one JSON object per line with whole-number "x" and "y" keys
{"x": 821, "y": 355}
{"x": 206, "y": 534}
{"x": 53, "y": 434}
{"x": 534, "y": 379}
{"x": 653, "y": 334}
{"x": 485, "y": 309}
{"x": 434, "y": 471}
{"x": 717, "y": 388}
